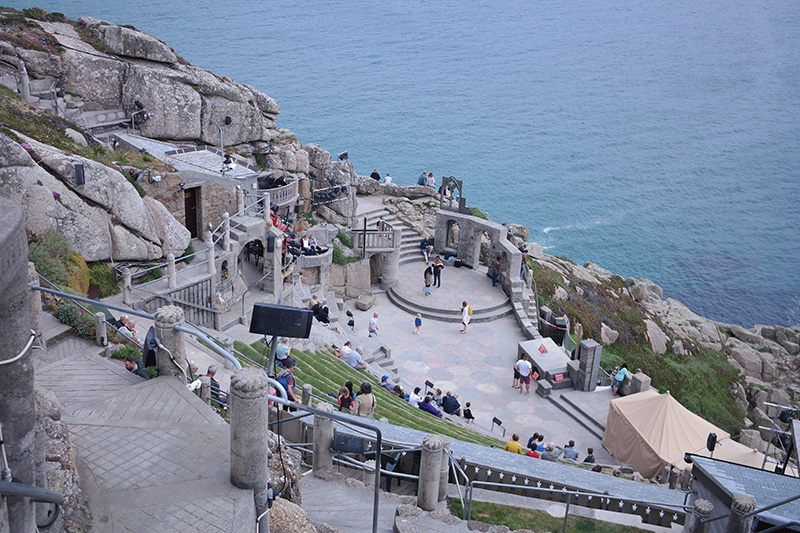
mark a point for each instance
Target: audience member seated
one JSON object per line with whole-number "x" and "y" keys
{"x": 345, "y": 400}
{"x": 353, "y": 359}
{"x": 468, "y": 414}
{"x": 513, "y": 445}
{"x": 322, "y": 315}
{"x": 438, "y": 398}
{"x": 415, "y": 398}
{"x": 398, "y": 391}
{"x": 532, "y": 453}
{"x": 282, "y": 351}
{"x": 540, "y": 444}
{"x": 570, "y": 452}
{"x": 590, "y": 457}
{"x": 450, "y": 404}
{"x": 552, "y": 452}
{"x": 216, "y": 393}
{"x": 532, "y": 441}
{"x": 385, "y": 383}
{"x": 427, "y": 406}
{"x": 136, "y": 366}
{"x": 365, "y": 401}
{"x": 426, "y": 247}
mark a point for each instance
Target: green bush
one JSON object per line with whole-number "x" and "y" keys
{"x": 100, "y": 274}
{"x": 50, "y": 254}
{"x": 35, "y": 13}
{"x": 189, "y": 251}
{"x": 82, "y": 324}
{"x": 345, "y": 238}
{"x": 339, "y": 258}
{"x": 132, "y": 180}
{"x": 474, "y": 211}
{"x": 154, "y": 274}
{"x": 125, "y": 352}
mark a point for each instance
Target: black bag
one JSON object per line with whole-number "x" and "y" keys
{"x": 458, "y": 263}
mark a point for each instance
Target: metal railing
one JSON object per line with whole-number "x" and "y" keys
{"x": 36, "y": 495}
{"x": 757, "y": 511}
{"x": 605, "y": 499}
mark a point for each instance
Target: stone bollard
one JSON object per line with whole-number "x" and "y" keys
{"x": 172, "y": 275}
{"x": 686, "y": 480}
{"x": 205, "y": 389}
{"x": 741, "y": 505}
{"x": 211, "y": 266}
{"x": 36, "y": 307}
{"x": 167, "y": 318}
{"x": 100, "y": 329}
{"x": 239, "y": 199}
{"x": 127, "y": 298}
{"x": 701, "y": 511}
{"x": 266, "y": 203}
{"x": 249, "y": 411}
{"x": 323, "y": 440}
{"x": 307, "y": 390}
{"x": 430, "y": 467}
{"x": 444, "y": 477}
{"x": 226, "y": 232}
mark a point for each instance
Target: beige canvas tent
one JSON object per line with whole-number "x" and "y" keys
{"x": 650, "y": 430}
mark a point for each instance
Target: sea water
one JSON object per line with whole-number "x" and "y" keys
{"x": 657, "y": 139}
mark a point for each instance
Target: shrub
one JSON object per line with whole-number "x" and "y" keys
{"x": 135, "y": 184}
{"x": 50, "y": 253}
{"x": 125, "y": 352}
{"x": 100, "y": 274}
{"x": 154, "y": 274}
{"x": 189, "y": 251}
{"x": 82, "y": 324}
{"x": 474, "y": 211}
{"x": 35, "y": 13}
{"x": 78, "y": 274}
{"x": 339, "y": 258}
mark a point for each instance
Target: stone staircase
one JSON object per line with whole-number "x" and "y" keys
{"x": 577, "y": 413}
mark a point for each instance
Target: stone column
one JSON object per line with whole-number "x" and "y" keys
{"x": 226, "y": 232}
{"x": 126, "y": 287}
{"x": 307, "y": 390}
{"x": 249, "y": 410}
{"x": 430, "y": 467}
{"x": 741, "y": 505}
{"x": 210, "y": 256}
{"x": 36, "y": 307}
{"x": 239, "y": 199}
{"x": 100, "y": 329}
{"x": 23, "y": 81}
{"x": 323, "y": 440}
{"x": 17, "y": 409}
{"x": 702, "y": 510}
{"x": 391, "y": 270}
{"x": 444, "y": 477}
{"x": 205, "y": 389}
{"x": 267, "y": 201}
{"x": 590, "y": 353}
{"x": 172, "y": 275}
{"x": 167, "y": 318}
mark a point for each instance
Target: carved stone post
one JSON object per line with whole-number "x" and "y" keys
{"x": 445, "y": 470}
{"x": 100, "y": 329}
{"x": 741, "y": 505}
{"x": 239, "y": 199}
{"x": 702, "y": 510}
{"x": 167, "y": 318}
{"x": 212, "y": 266}
{"x": 126, "y": 287}
{"x": 36, "y": 307}
{"x": 172, "y": 275}
{"x": 430, "y": 467}
{"x": 307, "y": 390}
{"x": 23, "y": 81}
{"x": 16, "y": 379}
{"x": 323, "y": 440}
{"x": 205, "y": 389}
{"x": 249, "y": 411}
{"x": 226, "y": 232}
{"x": 267, "y": 201}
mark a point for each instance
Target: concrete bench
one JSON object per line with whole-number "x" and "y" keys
{"x": 102, "y": 119}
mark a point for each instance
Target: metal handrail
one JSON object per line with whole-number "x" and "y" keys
{"x": 754, "y": 512}
{"x": 94, "y": 302}
{"x": 348, "y": 421}
{"x": 456, "y": 467}
{"x": 568, "y": 493}
{"x": 213, "y": 345}
{"x": 35, "y": 494}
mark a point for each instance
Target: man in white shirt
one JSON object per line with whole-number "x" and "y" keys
{"x": 387, "y": 179}
{"x": 525, "y": 369}
{"x": 415, "y": 398}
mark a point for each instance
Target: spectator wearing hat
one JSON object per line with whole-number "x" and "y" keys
{"x": 385, "y": 383}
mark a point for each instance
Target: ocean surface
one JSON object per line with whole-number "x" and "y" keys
{"x": 656, "y": 139}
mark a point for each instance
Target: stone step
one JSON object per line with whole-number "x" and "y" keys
{"x": 478, "y": 315}
{"x": 600, "y": 425}
{"x": 586, "y": 422}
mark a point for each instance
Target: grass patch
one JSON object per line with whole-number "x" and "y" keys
{"x": 309, "y": 217}
{"x": 100, "y": 274}
{"x": 537, "y": 521}
{"x": 125, "y": 352}
{"x": 342, "y": 236}
{"x": 339, "y": 258}
{"x": 152, "y": 275}
{"x": 474, "y": 211}
{"x": 189, "y": 251}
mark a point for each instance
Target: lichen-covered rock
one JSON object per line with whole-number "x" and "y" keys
{"x": 608, "y": 335}
{"x": 96, "y": 78}
{"x": 288, "y": 517}
{"x": 657, "y": 338}
{"x": 129, "y": 42}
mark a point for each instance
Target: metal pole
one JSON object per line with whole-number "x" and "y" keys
{"x": 364, "y": 241}
{"x": 566, "y": 513}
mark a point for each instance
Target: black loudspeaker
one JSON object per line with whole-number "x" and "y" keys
{"x": 281, "y": 320}
{"x": 711, "y": 442}
{"x": 271, "y": 243}
{"x": 79, "y": 180}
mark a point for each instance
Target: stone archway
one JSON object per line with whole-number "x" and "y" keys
{"x": 375, "y": 268}
{"x": 251, "y": 261}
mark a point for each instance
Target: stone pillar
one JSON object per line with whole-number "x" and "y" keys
{"x": 444, "y": 477}
{"x": 323, "y": 440}
{"x": 249, "y": 411}
{"x": 391, "y": 270}
{"x": 702, "y": 510}
{"x": 267, "y": 201}
{"x": 17, "y": 411}
{"x": 741, "y": 505}
{"x": 36, "y": 307}
{"x": 205, "y": 389}
{"x": 239, "y": 199}
{"x": 126, "y": 287}
{"x": 172, "y": 275}
{"x": 212, "y": 264}
{"x": 226, "y": 232}
{"x": 307, "y": 389}
{"x": 430, "y": 467}
{"x": 23, "y": 81}
{"x": 100, "y": 329}
{"x": 590, "y": 353}
{"x": 167, "y": 318}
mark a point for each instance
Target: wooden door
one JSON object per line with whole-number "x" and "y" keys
{"x": 190, "y": 208}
